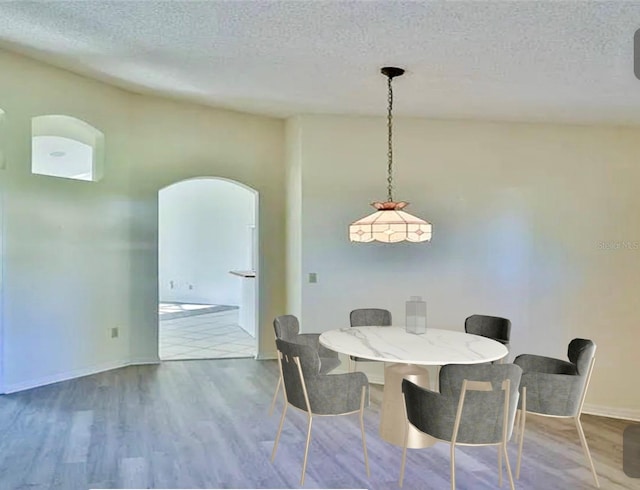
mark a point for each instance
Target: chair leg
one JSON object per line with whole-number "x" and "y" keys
{"x": 500, "y": 465}
{"x": 275, "y": 444}
{"x": 453, "y": 466}
{"x": 523, "y": 417}
{"x": 516, "y": 426}
{"x": 275, "y": 395}
{"x": 306, "y": 450}
{"x": 585, "y": 448}
{"x": 364, "y": 441}
{"x": 404, "y": 453}
{"x": 520, "y": 445}
{"x": 508, "y": 465}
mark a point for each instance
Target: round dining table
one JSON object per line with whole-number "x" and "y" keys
{"x": 406, "y": 354}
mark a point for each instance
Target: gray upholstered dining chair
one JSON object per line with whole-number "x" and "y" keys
{"x": 476, "y": 406}
{"x": 556, "y": 388}
{"x": 287, "y": 327}
{"x": 307, "y": 389}
{"x": 365, "y": 317}
{"x": 493, "y": 327}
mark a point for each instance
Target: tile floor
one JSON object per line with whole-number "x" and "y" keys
{"x": 205, "y": 336}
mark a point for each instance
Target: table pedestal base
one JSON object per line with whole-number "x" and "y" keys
{"x": 392, "y": 419}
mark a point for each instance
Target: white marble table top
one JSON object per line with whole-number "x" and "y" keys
{"x": 394, "y": 344}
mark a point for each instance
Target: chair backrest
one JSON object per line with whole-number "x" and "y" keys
{"x": 480, "y": 413}
{"x": 364, "y": 317}
{"x": 286, "y": 327}
{"x": 493, "y": 327}
{"x": 580, "y": 353}
{"x": 297, "y": 362}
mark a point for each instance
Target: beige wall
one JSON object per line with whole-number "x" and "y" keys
{"x": 294, "y": 216}
{"x": 81, "y": 257}
{"x": 519, "y": 213}
{"x": 177, "y": 141}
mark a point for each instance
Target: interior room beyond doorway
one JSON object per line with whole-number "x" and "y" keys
{"x": 200, "y": 331}
{"x": 207, "y": 270}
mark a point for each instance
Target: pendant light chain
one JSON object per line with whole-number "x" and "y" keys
{"x": 390, "y": 223}
{"x": 390, "y": 142}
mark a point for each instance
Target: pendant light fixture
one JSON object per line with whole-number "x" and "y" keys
{"x": 389, "y": 223}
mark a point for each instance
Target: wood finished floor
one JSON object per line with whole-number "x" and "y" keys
{"x": 204, "y": 424}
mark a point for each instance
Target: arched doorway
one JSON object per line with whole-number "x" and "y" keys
{"x": 207, "y": 266}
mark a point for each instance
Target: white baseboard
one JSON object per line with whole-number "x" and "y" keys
{"x": 65, "y": 376}
{"x": 145, "y": 360}
{"x": 613, "y": 412}
{"x": 266, "y": 356}
{"x": 76, "y": 373}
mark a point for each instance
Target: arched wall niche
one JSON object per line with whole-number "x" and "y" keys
{"x": 64, "y": 146}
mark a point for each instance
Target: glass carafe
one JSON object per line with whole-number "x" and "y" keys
{"x": 416, "y": 315}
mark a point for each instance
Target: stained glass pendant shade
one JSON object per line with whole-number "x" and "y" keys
{"x": 390, "y": 224}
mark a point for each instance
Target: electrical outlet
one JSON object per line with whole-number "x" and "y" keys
{"x": 171, "y": 285}
{"x": 190, "y": 286}
{"x": 313, "y": 277}
{"x": 115, "y": 332}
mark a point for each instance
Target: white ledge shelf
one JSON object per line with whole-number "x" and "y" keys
{"x": 243, "y": 273}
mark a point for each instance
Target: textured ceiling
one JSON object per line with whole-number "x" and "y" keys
{"x": 563, "y": 61}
